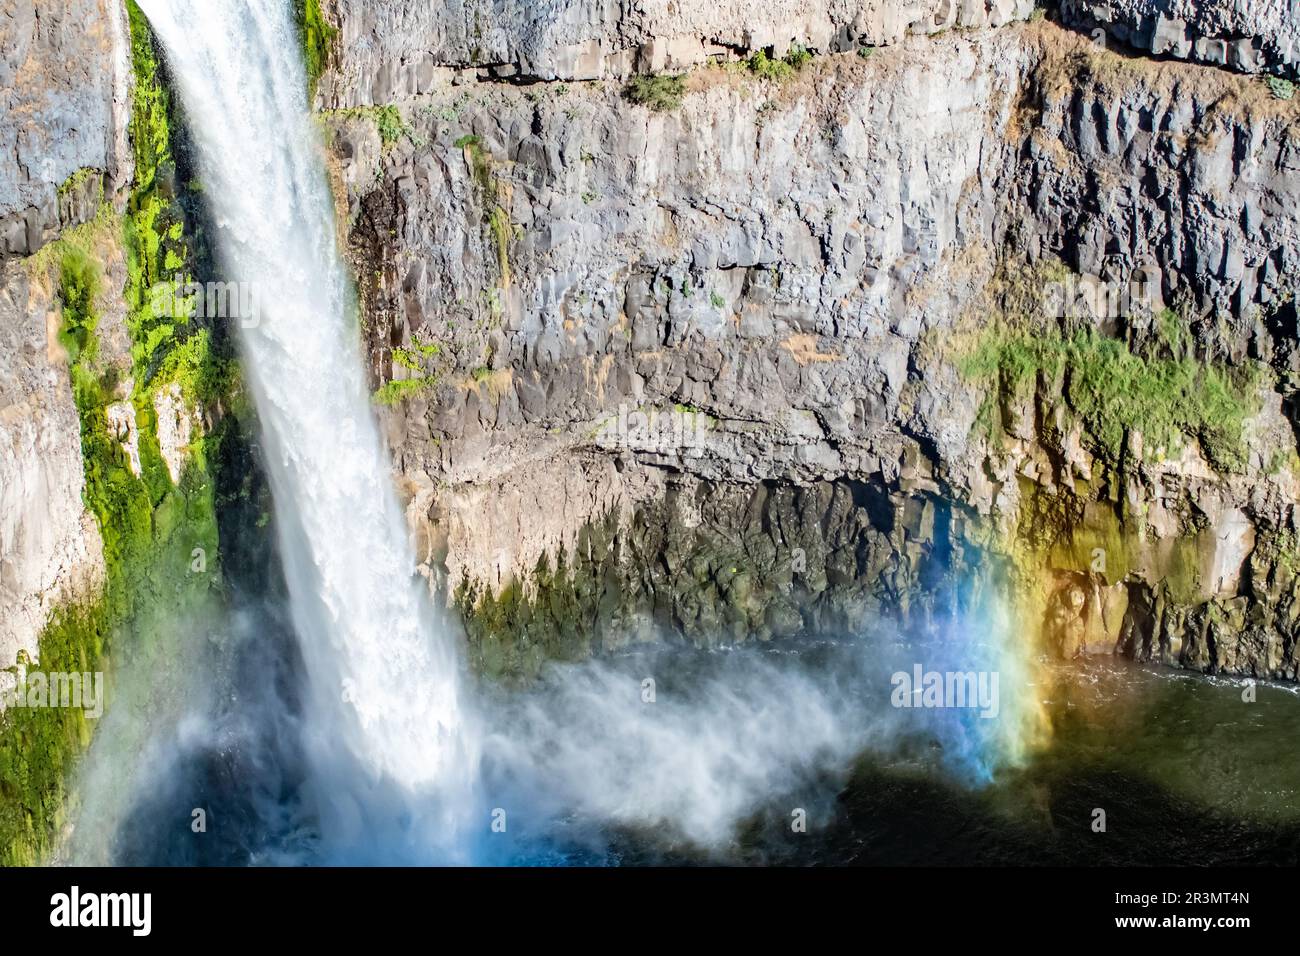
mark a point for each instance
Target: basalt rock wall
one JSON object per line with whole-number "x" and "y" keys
{"x": 828, "y": 274}
{"x": 64, "y": 81}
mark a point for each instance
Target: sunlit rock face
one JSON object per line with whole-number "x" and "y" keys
{"x": 809, "y": 265}
{"x": 583, "y": 301}
{"x": 64, "y": 91}
{"x": 49, "y": 542}
{"x": 401, "y": 48}
{"x": 1254, "y": 36}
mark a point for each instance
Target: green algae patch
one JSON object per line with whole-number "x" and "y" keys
{"x": 39, "y": 747}
{"x": 1114, "y": 391}
{"x": 418, "y": 360}
{"x": 554, "y": 616}
{"x": 1096, "y": 543}
{"x": 167, "y": 344}
{"x": 1134, "y": 391}
{"x": 499, "y": 225}
{"x": 318, "y": 37}
{"x": 388, "y": 120}
{"x": 161, "y": 558}
{"x": 160, "y": 548}
{"x": 398, "y": 390}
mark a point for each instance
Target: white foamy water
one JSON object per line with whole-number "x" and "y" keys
{"x": 393, "y": 754}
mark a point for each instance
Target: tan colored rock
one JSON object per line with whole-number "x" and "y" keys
{"x": 50, "y": 547}
{"x": 178, "y": 425}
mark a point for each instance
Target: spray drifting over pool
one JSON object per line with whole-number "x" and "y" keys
{"x": 384, "y": 716}
{"x": 393, "y": 747}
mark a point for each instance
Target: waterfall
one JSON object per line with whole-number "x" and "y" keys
{"x": 392, "y": 751}
{"x": 399, "y": 763}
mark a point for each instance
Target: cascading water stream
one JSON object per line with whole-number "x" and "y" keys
{"x": 386, "y": 732}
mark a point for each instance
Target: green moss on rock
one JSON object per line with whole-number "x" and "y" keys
{"x": 1114, "y": 390}
{"x": 318, "y": 39}
{"x": 39, "y": 747}
{"x": 160, "y": 540}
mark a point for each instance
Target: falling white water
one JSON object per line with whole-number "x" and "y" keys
{"x": 383, "y": 715}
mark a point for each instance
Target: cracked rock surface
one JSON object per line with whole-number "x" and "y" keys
{"x": 800, "y": 270}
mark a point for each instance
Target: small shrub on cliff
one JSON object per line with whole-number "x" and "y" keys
{"x": 658, "y": 92}
{"x": 399, "y": 389}
{"x": 419, "y": 360}
{"x": 798, "y": 57}
{"x": 391, "y": 125}
{"x": 766, "y": 68}
{"x": 1280, "y": 87}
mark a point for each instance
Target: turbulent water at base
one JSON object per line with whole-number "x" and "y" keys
{"x": 386, "y": 733}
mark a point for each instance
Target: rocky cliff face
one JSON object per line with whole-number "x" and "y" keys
{"x": 64, "y": 89}
{"x": 710, "y": 321}
{"x": 391, "y": 50}
{"x": 835, "y": 260}
{"x": 1258, "y": 36}
{"x": 64, "y": 82}
{"x": 114, "y": 412}
{"x": 849, "y": 270}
